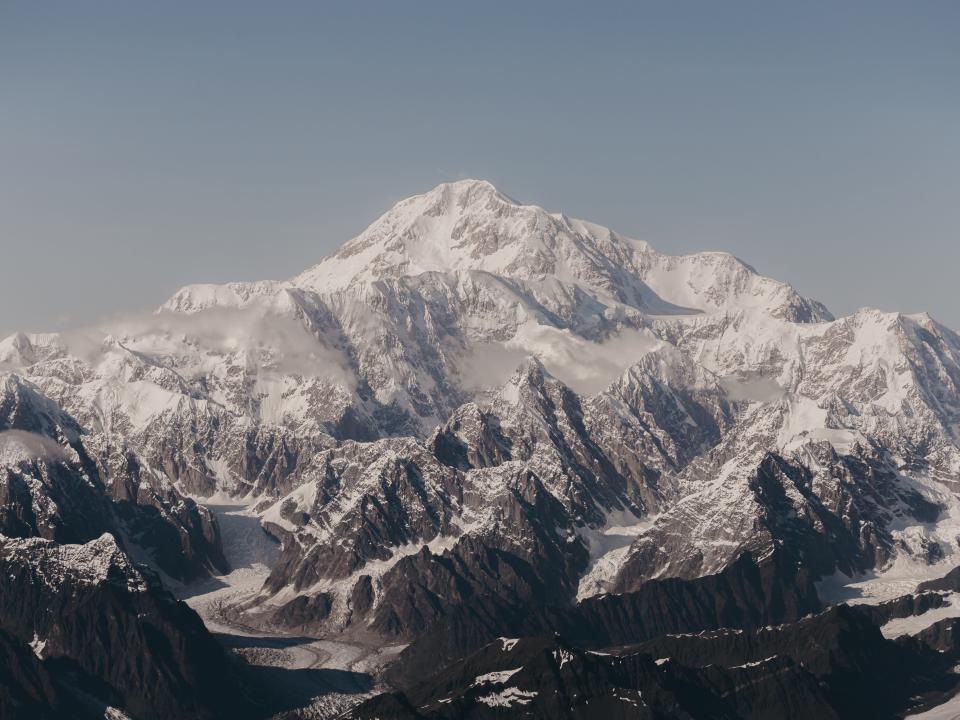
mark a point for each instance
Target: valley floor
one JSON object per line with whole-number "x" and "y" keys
{"x": 307, "y": 677}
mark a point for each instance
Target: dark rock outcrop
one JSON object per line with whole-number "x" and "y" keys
{"x": 950, "y": 581}
{"x": 746, "y": 595}
{"x": 823, "y": 666}
{"x": 27, "y": 689}
{"x": 127, "y": 642}
{"x": 905, "y": 606}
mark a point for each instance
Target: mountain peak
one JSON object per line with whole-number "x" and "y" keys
{"x": 468, "y": 187}
{"x": 467, "y": 229}
{"x": 468, "y": 226}
{"x": 461, "y": 225}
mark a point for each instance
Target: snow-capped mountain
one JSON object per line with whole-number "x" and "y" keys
{"x": 389, "y": 335}
{"x": 479, "y": 404}
{"x": 62, "y": 483}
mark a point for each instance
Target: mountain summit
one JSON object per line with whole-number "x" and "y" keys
{"x": 469, "y": 227}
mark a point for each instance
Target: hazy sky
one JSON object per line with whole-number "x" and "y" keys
{"x": 146, "y": 145}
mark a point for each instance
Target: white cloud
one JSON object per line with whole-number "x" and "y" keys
{"x": 20, "y": 445}
{"x": 586, "y": 366}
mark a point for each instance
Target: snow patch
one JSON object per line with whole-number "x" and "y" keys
{"x": 562, "y": 657}
{"x": 37, "y": 645}
{"x": 498, "y": 676}
{"x": 756, "y": 663}
{"x": 508, "y": 698}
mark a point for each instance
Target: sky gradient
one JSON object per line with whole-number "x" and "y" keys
{"x": 144, "y": 146}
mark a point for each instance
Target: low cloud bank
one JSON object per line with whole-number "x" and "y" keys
{"x": 586, "y": 366}
{"x": 18, "y": 445}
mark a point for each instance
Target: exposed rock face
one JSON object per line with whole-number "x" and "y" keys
{"x": 58, "y": 484}
{"x": 822, "y": 666}
{"x": 547, "y": 677}
{"x": 418, "y": 538}
{"x": 519, "y": 560}
{"x": 602, "y": 452}
{"x": 520, "y": 482}
{"x": 950, "y": 581}
{"x": 905, "y": 606}
{"x": 723, "y": 495}
{"x": 745, "y": 595}
{"x": 835, "y": 510}
{"x": 86, "y": 608}
{"x": 27, "y": 689}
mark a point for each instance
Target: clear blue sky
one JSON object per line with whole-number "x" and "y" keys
{"x": 145, "y": 145}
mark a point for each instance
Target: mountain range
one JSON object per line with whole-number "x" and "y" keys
{"x": 560, "y": 473}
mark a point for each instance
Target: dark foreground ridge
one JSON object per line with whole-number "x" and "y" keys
{"x": 82, "y": 630}
{"x": 745, "y": 595}
{"x": 835, "y": 664}
{"x": 749, "y": 642}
